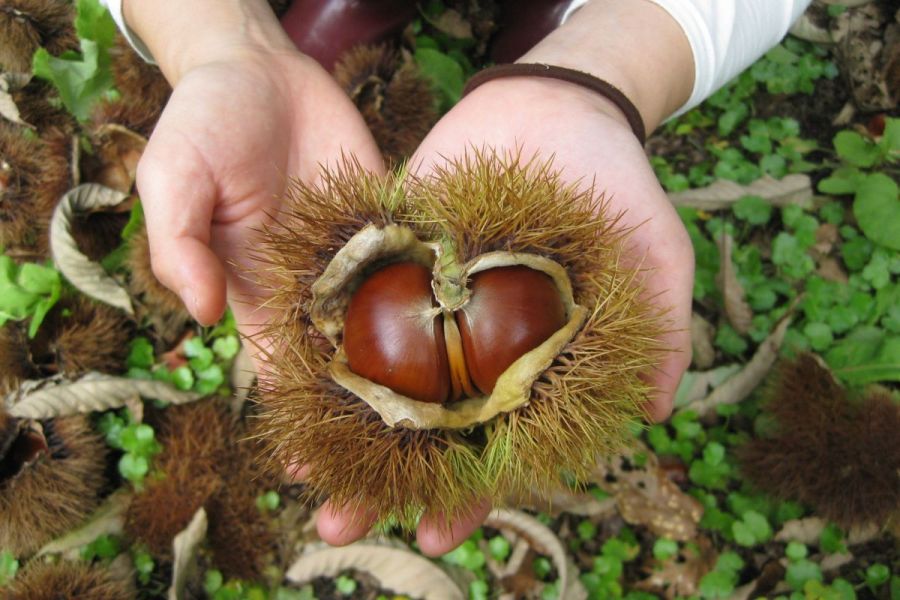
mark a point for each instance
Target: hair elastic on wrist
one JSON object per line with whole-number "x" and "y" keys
{"x": 605, "y": 89}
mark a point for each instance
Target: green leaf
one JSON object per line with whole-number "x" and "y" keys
{"x": 586, "y": 530}
{"x": 664, "y": 548}
{"x": 8, "y": 567}
{"x": 819, "y": 336}
{"x": 213, "y": 581}
{"x": 226, "y": 347}
{"x": 877, "y": 210}
{"x": 183, "y": 378}
{"x": 866, "y": 355}
{"x": 133, "y": 467}
{"x": 141, "y": 354}
{"x": 80, "y": 80}
{"x": 345, "y": 585}
{"x": 795, "y": 551}
{"x": 104, "y": 547}
{"x": 844, "y": 180}
{"x": 742, "y": 534}
{"x": 268, "y": 502}
{"x": 94, "y": 22}
{"x": 877, "y": 574}
{"x": 542, "y": 567}
{"x": 856, "y": 150}
{"x": 801, "y": 571}
{"x": 714, "y": 454}
{"x": 753, "y": 209}
{"x": 717, "y": 584}
{"x": 730, "y": 341}
{"x": 144, "y": 565}
{"x": 444, "y": 72}
{"x": 479, "y": 590}
{"x": 831, "y": 539}
{"x": 499, "y": 548}
{"x": 890, "y": 140}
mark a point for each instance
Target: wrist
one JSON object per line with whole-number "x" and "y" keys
{"x": 232, "y": 29}
{"x": 635, "y": 46}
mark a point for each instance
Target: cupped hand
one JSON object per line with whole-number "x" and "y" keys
{"x": 589, "y": 141}
{"x": 233, "y": 133}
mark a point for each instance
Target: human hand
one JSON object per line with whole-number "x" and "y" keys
{"x": 216, "y": 166}
{"x": 590, "y": 140}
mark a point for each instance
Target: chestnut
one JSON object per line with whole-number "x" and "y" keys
{"x": 396, "y": 336}
{"x": 512, "y": 310}
{"x": 393, "y": 334}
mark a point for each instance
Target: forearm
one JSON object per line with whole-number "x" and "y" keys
{"x": 181, "y": 35}
{"x": 635, "y": 45}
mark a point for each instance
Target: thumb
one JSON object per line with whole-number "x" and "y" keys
{"x": 178, "y": 197}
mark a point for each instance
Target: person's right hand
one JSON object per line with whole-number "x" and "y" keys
{"x": 234, "y": 131}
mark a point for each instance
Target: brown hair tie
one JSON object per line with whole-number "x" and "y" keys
{"x": 605, "y": 89}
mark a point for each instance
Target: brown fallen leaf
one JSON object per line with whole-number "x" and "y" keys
{"x": 737, "y": 311}
{"x": 702, "y": 334}
{"x": 860, "y": 52}
{"x": 646, "y": 496}
{"x": 395, "y": 568}
{"x": 544, "y": 541}
{"x": 680, "y": 574}
{"x": 117, "y": 152}
{"x": 809, "y": 530}
{"x": 738, "y": 386}
{"x": 791, "y": 189}
{"x": 453, "y": 24}
{"x": 185, "y": 548}
{"x": 830, "y": 269}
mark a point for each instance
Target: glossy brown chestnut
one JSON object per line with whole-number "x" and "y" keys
{"x": 393, "y": 337}
{"x": 512, "y": 310}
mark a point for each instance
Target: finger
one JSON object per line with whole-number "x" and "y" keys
{"x": 178, "y": 199}
{"x": 344, "y": 525}
{"x": 436, "y": 537}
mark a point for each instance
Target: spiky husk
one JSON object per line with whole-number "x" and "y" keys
{"x": 394, "y": 98}
{"x": 838, "y": 454}
{"x": 91, "y": 337}
{"x": 26, "y": 25}
{"x": 55, "y": 493}
{"x": 579, "y": 409}
{"x": 44, "y": 580}
{"x": 144, "y": 91}
{"x": 15, "y": 365}
{"x": 35, "y": 175}
{"x": 205, "y": 462}
{"x": 161, "y": 303}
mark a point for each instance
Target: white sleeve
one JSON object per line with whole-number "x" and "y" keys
{"x": 115, "y": 9}
{"x": 727, "y": 36}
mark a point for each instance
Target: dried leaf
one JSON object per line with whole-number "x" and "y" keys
{"x": 806, "y": 29}
{"x": 107, "y": 520}
{"x": 89, "y": 277}
{"x": 695, "y": 385}
{"x": 833, "y": 562}
{"x": 453, "y": 24}
{"x": 737, "y": 310}
{"x": 544, "y": 541}
{"x": 52, "y": 398}
{"x": 579, "y": 503}
{"x": 396, "y": 569}
{"x": 119, "y": 149}
{"x": 185, "y": 547}
{"x": 646, "y": 496}
{"x": 809, "y": 530}
{"x": 831, "y": 270}
{"x": 738, "y": 386}
{"x": 8, "y": 108}
{"x": 791, "y": 189}
{"x": 702, "y": 334}
{"x": 680, "y": 574}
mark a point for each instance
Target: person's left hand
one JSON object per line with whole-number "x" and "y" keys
{"x": 588, "y": 139}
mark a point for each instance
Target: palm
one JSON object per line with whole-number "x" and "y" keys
{"x": 238, "y": 134}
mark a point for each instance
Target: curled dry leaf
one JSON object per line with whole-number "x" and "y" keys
{"x": 544, "y": 541}
{"x": 185, "y": 547}
{"x": 396, "y": 569}
{"x": 453, "y": 24}
{"x": 8, "y": 108}
{"x": 118, "y": 150}
{"x": 646, "y": 496}
{"x": 738, "y": 386}
{"x": 702, "y": 334}
{"x": 790, "y": 189}
{"x": 695, "y": 385}
{"x": 107, "y": 520}
{"x": 737, "y": 310}
{"x": 89, "y": 277}
{"x": 52, "y": 398}
{"x": 809, "y": 530}
{"x": 574, "y": 502}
